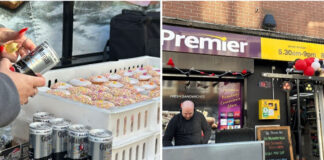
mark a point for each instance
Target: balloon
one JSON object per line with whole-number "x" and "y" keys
{"x": 170, "y": 62}
{"x": 309, "y": 71}
{"x": 318, "y": 73}
{"x": 316, "y": 65}
{"x": 244, "y": 71}
{"x": 312, "y": 59}
{"x": 300, "y": 65}
{"x": 308, "y": 61}
{"x": 316, "y": 60}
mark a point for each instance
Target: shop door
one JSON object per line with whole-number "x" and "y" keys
{"x": 319, "y": 99}
{"x": 305, "y": 122}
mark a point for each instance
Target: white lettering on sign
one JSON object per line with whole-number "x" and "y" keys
{"x": 202, "y": 42}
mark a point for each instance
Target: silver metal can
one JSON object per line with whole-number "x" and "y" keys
{"x": 100, "y": 144}
{"x": 40, "y": 60}
{"x": 77, "y": 145}
{"x": 59, "y": 144}
{"x": 42, "y": 117}
{"x": 40, "y": 140}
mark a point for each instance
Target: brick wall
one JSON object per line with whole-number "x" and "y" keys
{"x": 301, "y": 18}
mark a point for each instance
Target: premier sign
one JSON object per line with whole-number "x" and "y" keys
{"x": 191, "y": 40}
{"x": 202, "y": 42}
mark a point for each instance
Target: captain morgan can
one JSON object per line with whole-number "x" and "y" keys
{"x": 40, "y": 141}
{"x": 100, "y": 144}
{"x": 77, "y": 145}
{"x": 59, "y": 137}
{"x": 40, "y": 60}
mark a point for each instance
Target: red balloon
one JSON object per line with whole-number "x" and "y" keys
{"x": 300, "y": 65}
{"x": 309, "y": 61}
{"x": 170, "y": 62}
{"x": 312, "y": 59}
{"x": 309, "y": 71}
{"x": 244, "y": 71}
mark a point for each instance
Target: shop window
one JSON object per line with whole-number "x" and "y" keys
{"x": 90, "y": 21}
{"x": 211, "y": 98}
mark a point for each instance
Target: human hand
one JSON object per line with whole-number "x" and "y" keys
{"x": 18, "y": 40}
{"x": 25, "y": 84}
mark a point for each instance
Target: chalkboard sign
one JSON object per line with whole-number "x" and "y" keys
{"x": 277, "y": 142}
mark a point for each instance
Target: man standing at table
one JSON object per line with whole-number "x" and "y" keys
{"x": 187, "y": 128}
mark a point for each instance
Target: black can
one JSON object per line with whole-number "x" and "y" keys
{"x": 40, "y": 60}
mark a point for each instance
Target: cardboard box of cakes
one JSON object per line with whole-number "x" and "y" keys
{"x": 120, "y": 96}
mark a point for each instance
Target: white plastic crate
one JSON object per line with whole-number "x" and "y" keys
{"x": 85, "y": 71}
{"x": 124, "y": 122}
{"x": 156, "y": 115}
{"x": 144, "y": 147}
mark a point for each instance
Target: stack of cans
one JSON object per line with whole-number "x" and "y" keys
{"x": 58, "y": 139}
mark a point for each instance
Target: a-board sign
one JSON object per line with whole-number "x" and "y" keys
{"x": 277, "y": 142}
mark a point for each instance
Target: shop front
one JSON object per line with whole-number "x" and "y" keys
{"x": 236, "y": 78}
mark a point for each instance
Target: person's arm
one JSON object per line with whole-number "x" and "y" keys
{"x": 206, "y": 129}
{"x": 169, "y": 132}
{"x": 9, "y": 100}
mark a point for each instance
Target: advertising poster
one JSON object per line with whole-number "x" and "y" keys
{"x": 229, "y": 105}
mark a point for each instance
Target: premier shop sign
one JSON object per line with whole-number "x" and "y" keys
{"x": 191, "y": 40}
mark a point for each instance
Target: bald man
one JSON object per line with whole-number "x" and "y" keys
{"x": 186, "y": 127}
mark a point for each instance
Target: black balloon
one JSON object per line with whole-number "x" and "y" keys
{"x": 321, "y": 62}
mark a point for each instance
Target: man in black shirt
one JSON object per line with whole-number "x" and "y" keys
{"x": 187, "y": 127}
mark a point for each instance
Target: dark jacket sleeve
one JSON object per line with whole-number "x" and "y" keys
{"x": 9, "y": 100}
{"x": 206, "y": 129}
{"x": 169, "y": 132}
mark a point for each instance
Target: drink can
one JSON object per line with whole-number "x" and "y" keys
{"x": 59, "y": 137}
{"x": 77, "y": 145}
{"x": 40, "y": 60}
{"x": 40, "y": 141}
{"x": 42, "y": 117}
{"x": 100, "y": 144}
